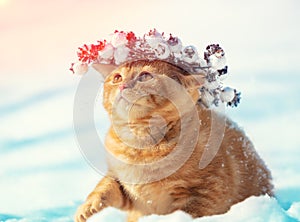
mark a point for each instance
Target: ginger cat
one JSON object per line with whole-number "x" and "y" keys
{"x": 158, "y": 136}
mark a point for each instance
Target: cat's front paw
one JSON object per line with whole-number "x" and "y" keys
{"x": 87, "y": 209}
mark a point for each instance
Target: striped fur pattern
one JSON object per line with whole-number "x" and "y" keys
{"x": 235, "y": 173}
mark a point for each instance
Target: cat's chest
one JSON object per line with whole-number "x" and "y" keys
{"x": 150, "y": 197}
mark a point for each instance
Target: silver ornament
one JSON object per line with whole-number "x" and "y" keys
{"x": 217, "y": 62}
{"x": 121, "y": 54}
{"x": 189, "y": 54}
{"x": 174, "y": 44}
{"x": 227, "y": 94}
{"x": 153, "y": 38}
{"x": 162, "y": 51}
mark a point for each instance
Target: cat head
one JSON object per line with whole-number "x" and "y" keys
{"x": 139, "y": 89}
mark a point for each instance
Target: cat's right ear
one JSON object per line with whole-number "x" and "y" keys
{"x": 104, "y": 69}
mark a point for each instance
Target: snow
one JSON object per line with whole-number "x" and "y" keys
{"x": 253, "y": 209}
{"x": 294, "y": 210}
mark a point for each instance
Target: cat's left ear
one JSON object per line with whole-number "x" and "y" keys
{"x": 104, "y": 69}
{"x": 194, "y": 81}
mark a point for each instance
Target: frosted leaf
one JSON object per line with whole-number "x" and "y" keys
{"x": 211, "y": 85}
{"x": 153, "y": 41}
{"x": 202, "y": 62}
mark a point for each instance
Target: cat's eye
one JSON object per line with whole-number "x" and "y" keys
{"x": 117, "y": 78}
{"x": 144, "y": 76}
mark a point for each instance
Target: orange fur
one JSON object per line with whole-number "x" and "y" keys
{"x": 235, "y": 173}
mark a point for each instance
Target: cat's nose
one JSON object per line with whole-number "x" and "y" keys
{"x": 122, "y": 87}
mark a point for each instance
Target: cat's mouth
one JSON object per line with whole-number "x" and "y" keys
{"x": 132, "y": 103}
{"x": 123, "y": 98}
{"x": 125, "y": 102}
{"x": 130, "y": 97}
